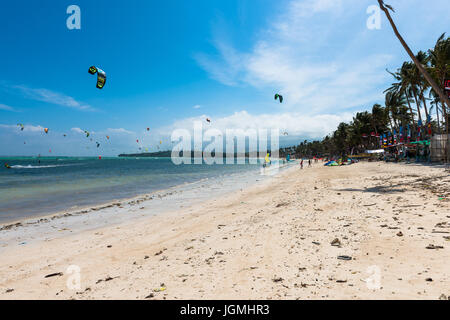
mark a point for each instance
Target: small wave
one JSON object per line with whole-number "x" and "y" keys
{"x": 40, "y": 167}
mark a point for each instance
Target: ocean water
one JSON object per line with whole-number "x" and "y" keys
{"x": 32, "y": 188}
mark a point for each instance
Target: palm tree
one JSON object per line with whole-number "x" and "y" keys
{"x": 435, "y": 101}
{"x": 421, "y": 84}
{"x": 378, "y": 117}
{"x": 404, "y": 86}
{"x": 384, "y": 7}
{"x": 394, "y": 103}
{"x": 340, "y": 137}
{"x": 440, "y": 68}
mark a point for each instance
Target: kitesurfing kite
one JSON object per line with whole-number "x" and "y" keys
{"x": 21, "y": 126}
{"x": 107, "y": 137}
{"x": 279, "y": 97}
{"x": 101, "y": 76}
{"x": 208, "y": 120}
{"x": 87, "y": 133}
{"x": 148, "y": 129}
{"x": 46, "y": 130}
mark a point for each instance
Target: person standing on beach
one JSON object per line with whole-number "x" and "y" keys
{"x": 309, "y": 162}
{"x": 301, "y": 164}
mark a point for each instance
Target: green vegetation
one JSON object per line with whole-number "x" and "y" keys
{"x": 410, "y": 100}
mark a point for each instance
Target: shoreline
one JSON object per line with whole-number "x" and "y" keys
{"x": 126, "y": 204}
{"x": 73, "y": 209}
{"x": 271, "y": 240}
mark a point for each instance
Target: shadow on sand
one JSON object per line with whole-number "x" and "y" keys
{"x": 378, "y": 189}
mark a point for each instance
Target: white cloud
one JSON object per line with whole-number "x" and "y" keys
{"x": 119, "y": 131}
{"x": 290, "y": 58}
{"x": 27, "y": 128}
{"x": 296, "y": 124}
{"x": 52, "y": 97}
{"x": 307, "y": 8}
{"x": 226, "y": 67}
{"x": 77, "y": 130}
{"x": 197, "y": 106}
{"x": 6, "y": 108}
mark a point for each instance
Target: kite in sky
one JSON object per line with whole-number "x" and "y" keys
{"x": 101, "y": 76}
{"x": 279, "y": 97}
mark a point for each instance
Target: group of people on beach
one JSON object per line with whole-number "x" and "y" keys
{"x": 301, "y": 163}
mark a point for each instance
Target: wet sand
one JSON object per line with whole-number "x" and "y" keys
{"x": 273, "y": 240}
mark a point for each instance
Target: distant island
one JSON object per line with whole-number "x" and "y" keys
{"x": 160, "y": 154}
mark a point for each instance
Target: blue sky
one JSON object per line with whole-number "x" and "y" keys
{"x": 170, "y": 63}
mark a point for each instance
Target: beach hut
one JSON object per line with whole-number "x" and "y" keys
{"x": 439, "y": 144}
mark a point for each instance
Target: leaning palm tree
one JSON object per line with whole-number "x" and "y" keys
{"x": 422, "y": 70}
{"x": 385, "y": 8}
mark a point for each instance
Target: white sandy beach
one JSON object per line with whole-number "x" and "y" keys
{"x": 271, "y": 240}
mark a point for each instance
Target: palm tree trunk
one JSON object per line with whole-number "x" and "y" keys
{"x": 444, "y": 113}
{"x": 437, "y": 116}
{"x": 390, "y": 122}
{"x": 447, "y": 142}
{"x": 410, "y": 109}
{"x": 424, "y": 105}
{"x": 419, "y": 66}
{"x": 445, "y": 116}
{"x": 417, "y": 105}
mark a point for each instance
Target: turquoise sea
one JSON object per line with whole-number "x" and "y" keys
{"x": 41, "y": 186}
